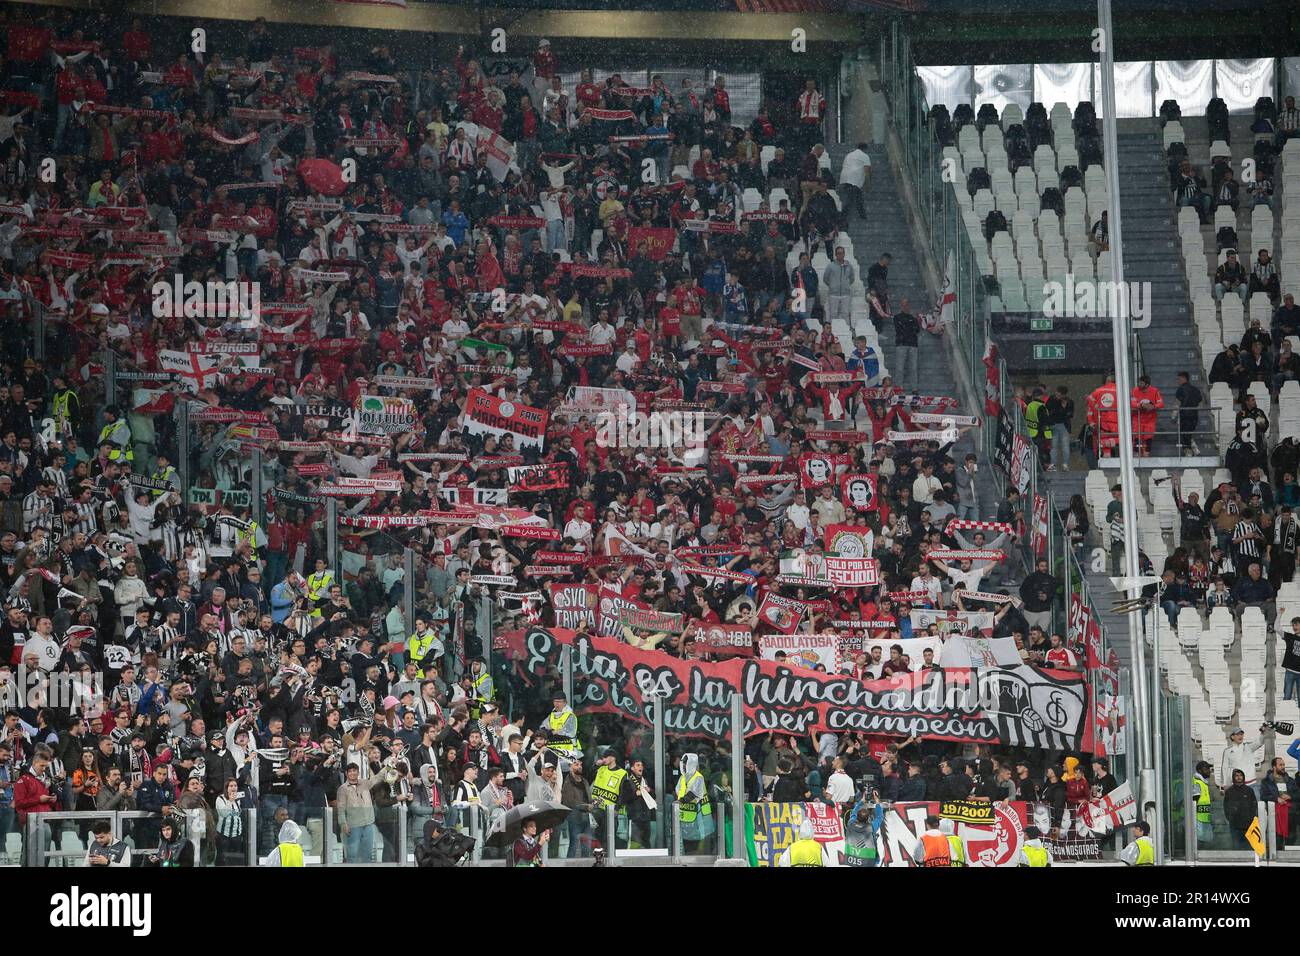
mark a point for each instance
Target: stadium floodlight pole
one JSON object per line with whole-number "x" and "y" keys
{"x": 1148, "y": 790}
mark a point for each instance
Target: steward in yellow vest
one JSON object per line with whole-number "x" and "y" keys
{"x": 562, "y": 723}
{"x": 607, "y": 789}
{"x": 1141, "y": 852}
{"x": 804, "y": 851}
{"x": 288, "y": 851}
{"x": 1033, "y": 853}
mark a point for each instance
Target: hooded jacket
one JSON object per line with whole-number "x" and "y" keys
{"x": 290, "y": 832}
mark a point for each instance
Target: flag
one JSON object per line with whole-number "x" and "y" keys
{"x": 1255, "y": 837}
{"x": 942, "y": 313}
{"x": 992, "y": 380}
{"x": 616, "y": 542}
{"x": 195, "y": 369}
{"x": 1112, "y": 811}
{"x": 500, "y": 153}
{"x": 152, "y": 401}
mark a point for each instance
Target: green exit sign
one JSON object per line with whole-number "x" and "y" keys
{"x": 1048, "y": 352}
{"x": 1040, "y": 325}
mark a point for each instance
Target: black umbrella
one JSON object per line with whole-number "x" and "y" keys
{"x": 507, "y": 828}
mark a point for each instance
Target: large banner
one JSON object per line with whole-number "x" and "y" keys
{"x": 770, "y": 828}
{"x": 1014, "y": 706}
{"x": 485, "y": 414}
{"x": 974, "y": 623}
{"x": 997, "y": 844}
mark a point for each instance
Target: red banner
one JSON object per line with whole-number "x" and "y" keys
{"x": 658, "y": 240}
{"x": 723, "y": 640}
{"x": 1012, "y": 706}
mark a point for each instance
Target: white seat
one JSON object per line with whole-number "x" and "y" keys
{"x": 1026, "y": 181}
{"x": 751, "y": 199}
{"x": 681, "y": 172}
{"x": 1173, "y": 133}
{"x": 774, "y": 198}
{"x": 1012, "y": 114}
{"x": 1224, "y": 216}
{"x": 765, "y": 156}
{"x": 1220, "y": 148}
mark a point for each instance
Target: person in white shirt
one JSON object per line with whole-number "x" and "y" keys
{"x": 409, "y": 252}
{"x": 855, "y": 174}
{"x": 578, "y": 528}
{"x": 1237, "y": 755}
{"x": 925, "y": 485}
{"x": 927, "y": 582}
{"x": 840, "y": 785}
{"x": 628, "y": 360}
{"x": 602, "y": 333}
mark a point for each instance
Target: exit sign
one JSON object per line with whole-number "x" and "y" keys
{"x": 1040, "y": 325}
{"x": 1048, "y": 352}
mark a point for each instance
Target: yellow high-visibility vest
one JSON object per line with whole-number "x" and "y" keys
{"x": 806, "y": 853}
{"x": 1146, "y": 852}
{"x": 956, "y": 852}
{"x": 606, "y": 787}
{"x": 417, "y": 647}
{"x": 248, "y": 534}
{"x": 1036, "y": 855}
{"x": 690, "y": 808}
{"x": 559, "y": 741}
{"x": 290, "y": 854}
{"x": 1202, "y": 800}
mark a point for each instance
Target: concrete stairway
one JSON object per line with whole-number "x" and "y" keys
{"x": 1152, "y": 254}
{"x": 887, "y": 229}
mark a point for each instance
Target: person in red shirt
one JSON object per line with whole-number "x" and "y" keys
{"x": 721, "y": 100}
{"x": 587, "y": 92}
{"x": 137, "y": 44}
{"x": 1060, "y": 656}
{"x": 670, "y": 325}
{"x": 69, "y": 86}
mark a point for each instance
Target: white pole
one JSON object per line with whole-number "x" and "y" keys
{"x": 1148, "y": 789}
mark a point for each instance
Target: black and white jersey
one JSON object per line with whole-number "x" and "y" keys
{"x": 1242, "y": 543}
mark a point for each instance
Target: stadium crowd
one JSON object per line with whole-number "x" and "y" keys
{"x": 239, "y": 663}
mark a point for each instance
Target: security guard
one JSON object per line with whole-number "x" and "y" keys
{"x": 421, "y": 649}
{"x": 956, "y": 849}
{"x": 117, "y": 435}
{"x": 562, "y": 722}
{"x": 1201, "y": 788}
{"x": 693, "y": 799}
{"x": 1141, "y": 852}
{"x": 318, "y": 585}
{"x": 933, "y": 849}
{"x": 1040, "y": 432}
{"x": 288, "y": 850}
{"x": 247, "y": 533}
{"x": 804, "y": 851}
{"x": 1033, "y": 853}
{"x": 607, "y": 789}
{"x": 66, "y": 406}
{"x": 165, "y": 473}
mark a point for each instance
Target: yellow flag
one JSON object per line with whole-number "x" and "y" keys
{"x": 1255, "y": 837}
